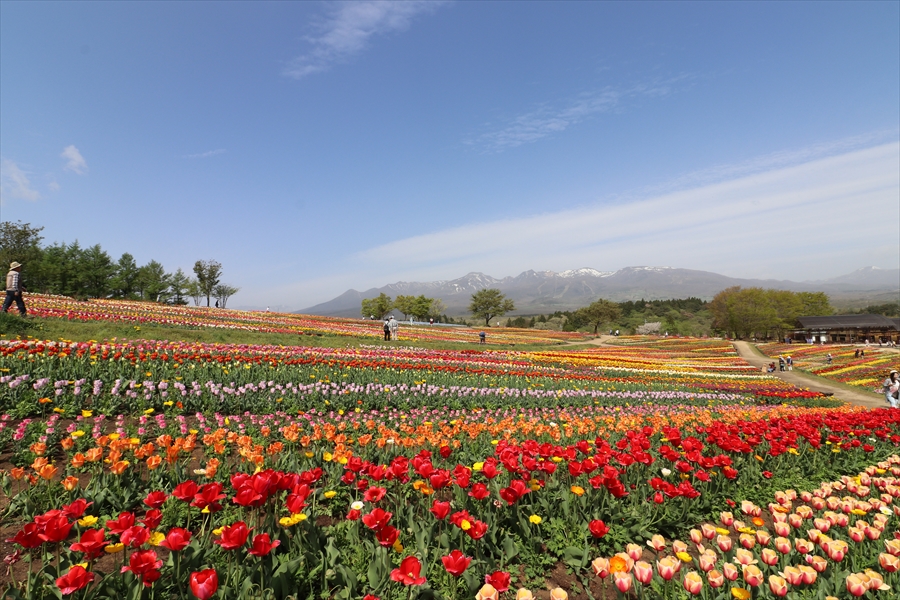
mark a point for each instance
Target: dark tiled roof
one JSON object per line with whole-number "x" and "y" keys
{"x": 849, "y": 322}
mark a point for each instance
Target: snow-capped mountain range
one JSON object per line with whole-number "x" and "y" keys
{"x": 537, "y": 292}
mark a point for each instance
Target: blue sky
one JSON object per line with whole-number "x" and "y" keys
{"x": 314, "y": 147}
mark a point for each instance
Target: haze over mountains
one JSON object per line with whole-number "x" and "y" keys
{"x": 541, "y": 292}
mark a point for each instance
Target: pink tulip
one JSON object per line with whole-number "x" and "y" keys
{"x": 622, "y": 581}
{"x": 822, "y": 525}
{"x": 856, "y": 534}
{"x": 696, "y": 537}
{"x": 783, "y": 545}
{"x": 762, "y": 537}
{"x": 873, "y": 533}
{"x": 769, "y": 557}
{"x": 803, "y": 546}
{"x": 601, "y": 567}
{"x": 715, "y": 579}
{"x": 793, "y": 575}
{"x": 667, "y": 567}
{"x": 809, "y": 574}
{"x": 730, "y": 571}
{"x": 708, "y": 561}
{"x": 724, "y": 542}
{"x": 795, "y": 520}
{"x": 778, "y": 585}
{"x": 889, "y": 562}
{"x": 726, "y": 518}
{"x": 744, "y": 557}
{"x": 753, "y": 576}
{"x": 634, "y": 551}
{"x": 782, "y": 529}
{"x": 857, "y": 584}
{"x": 747, "y": 541}
{"x": 643, "y": 572}
{"x": 693, "y": 583}
{"x": 818, "y": 563}
{"x": 708, "y": 531}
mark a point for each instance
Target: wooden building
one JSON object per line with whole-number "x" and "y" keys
{"x": 848, "y": 329}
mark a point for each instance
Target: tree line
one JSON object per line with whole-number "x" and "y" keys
{"x": 90, "y": 272}
{"x": 757, "y": 312}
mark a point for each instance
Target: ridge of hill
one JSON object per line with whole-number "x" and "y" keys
{"x": 540, "y": 292}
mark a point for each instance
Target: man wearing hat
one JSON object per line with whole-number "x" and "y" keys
{"x": 14, "y": 289}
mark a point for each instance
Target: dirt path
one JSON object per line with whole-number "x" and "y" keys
{"x": 813, "y": 382}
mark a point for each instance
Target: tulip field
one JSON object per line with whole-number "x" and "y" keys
{"x": 650, "y": 469}
{"x": 868, "y": 371}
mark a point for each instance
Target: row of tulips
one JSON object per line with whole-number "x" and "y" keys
{"x": 144, "y": 374}
{"x": 150, "y": 313}
{"x": 846, "y": 366}
{"x": 838, "y": 531}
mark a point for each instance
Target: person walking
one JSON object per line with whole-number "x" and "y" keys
{"x": 891, "y": 387}
{"x": 781, "y": 363}
{"x": 14, "y": 289}
{"x": 387, "y": 330}
{"x": 790, "y": 363}
{"x": 395, "y": 326}
{"x": 481, "y": 337}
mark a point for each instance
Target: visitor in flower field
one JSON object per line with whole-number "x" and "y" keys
{"x": 481, "y": 337}
{"x": 892, "y": 389}
{"x": 395, "y": 326}
{"x": 14, "y": 289}
{"x": 387, "y": 330}
{"x": 790, "y": 363}
{"x": 781, "y": 363}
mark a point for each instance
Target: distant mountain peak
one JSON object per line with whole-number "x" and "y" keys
{"x": 585, "y": 272}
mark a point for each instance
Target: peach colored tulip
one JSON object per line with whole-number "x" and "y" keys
{"x": 818, "y": 563}
{"x": 817, "y": 503}
{"x": 763, "y": 537}
{"x": 792, "y": 575}
{"x": 892, "y": 547}
{"x": 726, "y": 518}
{"x": 657, "y": 542}
{"x": 889, "y": 562}
{"x": 795, "y": 520}
{"x": 744, "y": 557}
{"x": 643, "y": 572}
{"x": 805, "y": 512}
{"x": 783, "y": 545}
{"x": 634, "y": 551}
{"x": 488, "y": 592}
{"x": 696, "y": 537}
{"x": 524, "y": 594}
{"x": 778, "y": 585}
{"x": 809, "y": 574}
{"x": 679, "y": 546}
{"x": 715, "y": 578}
{"x": 724, "y": 542}
{"x": 833, "y": 502}
{"x": 667, "y": 567}
{"x": 693, "y": 583}
{"x": 803, "y": 546}
{"x": 708, "y": 561}
{"x": 857, "y": 584}
{"x": 873, "y": 533}
{"x": 769, "y": 557}
{"x": 601, "y": 567}
{"x": 730, "y": 571}
{"x": 842, "y": 520}
{"x": 836, "y": 550}
{"x": 622, "y": 581}
{"x": 708, "y": 531}
{"x": 558, "y": 594}
{"x": 753, "y": 576}
{"x": 747, "y": 541}
{"x": 822, "y": 525}
{"x": 782, "y": 529}
{"x": 856, "y": 534}
{"x": 876, "y": 581}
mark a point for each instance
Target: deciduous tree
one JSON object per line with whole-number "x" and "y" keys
{"x": 600, "y": 312}
{"x": 208, "y": 273}
{"x": 223, "y": 292}
{"x": 489, "y": 303}
{"x": 377, "y": 307}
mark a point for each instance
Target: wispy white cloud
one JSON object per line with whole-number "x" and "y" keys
{"x": 802, "y": 222}
{"x": 206, "y": 154}
{"x": 549, "y": 119}
{"x": 347, "y": 31}
{"x": 74, "y": 161}
{"x": 14, "y": 182}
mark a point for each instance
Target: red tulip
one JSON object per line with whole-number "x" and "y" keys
{"x": 155, "y": 499}
{"x": 233, "y": 536}
{"x": 376, "y": 519}
{"x": 177, "y": 539}
{"x": 92, "y": 543}
{"x": 76, "y": 509}
{"x": 28, "y": 536}
{"x": 598, "y": 528}
{"x": 152, "y": 519}
{"x": 262, "y": 545}
{"x": 409, "y": 572}
{"x": 374, "y": 494}
{"x": 117, "y": 526}
{"x": 440, "y": 509}
{"x": 498, "y": 579}
{"x": 456, "y": 562}
{"x": 145, "y": 565}
{"x": 479, "y": 491}
{"x": 208, "y": 497}
{"x": 56, "y": 529}
{"x": 204, "y": 584}
{"x": 135, "y": 536}
{"x": 186, "y": 491}
{"x": 387, "y": 535}
{"x": 75, "y": 579}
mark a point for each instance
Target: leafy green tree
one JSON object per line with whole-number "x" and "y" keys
{"x": 436, "y": 308}
{"x": 208, "y": 273}
{"x": 20, "y": 242}
{"x": 124, "y": 281}
{"x": 406, "y": 305}
{"x": 599, "y": 312}
{"x": 153, "y": 282}
{"x": 96, "y": 271}
{"x": 223, "y": 292}
{"x": 489, "y": 303}
{"x": 814, "y": 304}
{"x": 377, "y": 307}
{"x": 179, "y": 285}
{"x": 195, "y": 291}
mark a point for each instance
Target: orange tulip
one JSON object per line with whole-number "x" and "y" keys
{"x": 47, "y": 472}
{"x": 70, "y": 483}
